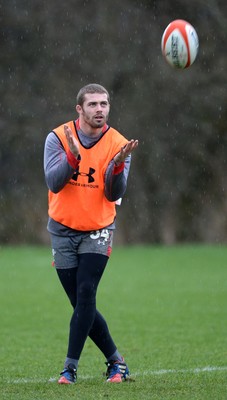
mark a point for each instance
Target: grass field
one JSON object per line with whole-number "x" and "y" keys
{"x": 166, "y": 308}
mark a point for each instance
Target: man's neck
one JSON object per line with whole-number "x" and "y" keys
{"x": 88, "y": 130}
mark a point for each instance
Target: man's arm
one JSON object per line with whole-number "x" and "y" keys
{"x": 117, "y": 172}
{"x": 59, "y": 166}
{"x": 116, "y": 179}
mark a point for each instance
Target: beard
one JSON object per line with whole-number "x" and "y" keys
{"x": 95, "y": 121}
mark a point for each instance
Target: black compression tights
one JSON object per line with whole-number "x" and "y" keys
{"x": 81, "y": 284}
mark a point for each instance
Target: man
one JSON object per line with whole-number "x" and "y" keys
{"x": 86, "y": 164}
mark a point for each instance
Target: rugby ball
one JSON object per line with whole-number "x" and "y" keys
{"x": 180, "y": 44}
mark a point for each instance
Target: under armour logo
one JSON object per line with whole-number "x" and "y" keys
{"x": 89, "y": 175}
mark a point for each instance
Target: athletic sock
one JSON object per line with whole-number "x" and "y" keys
{"x": 71, "y": 361}
{"x": 116, "y": 356}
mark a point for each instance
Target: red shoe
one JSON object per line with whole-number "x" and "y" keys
{"x": 117, "y": 371}
{"x": 68, "y": 375}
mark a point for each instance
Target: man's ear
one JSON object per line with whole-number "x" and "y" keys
{"x": 78, "y": 108}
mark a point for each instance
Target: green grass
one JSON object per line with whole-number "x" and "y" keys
{"x": 166, "y": 308}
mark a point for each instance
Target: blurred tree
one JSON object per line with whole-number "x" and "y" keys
{"x": 178, "y": 182}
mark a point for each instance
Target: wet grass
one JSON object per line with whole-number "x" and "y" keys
{"x": 166, "y": 309}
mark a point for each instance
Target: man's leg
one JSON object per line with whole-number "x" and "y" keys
{"x": 89, "y": 273}
{"x": 81, "y": 284}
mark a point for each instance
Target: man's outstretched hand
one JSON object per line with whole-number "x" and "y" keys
{"x": 125, "y": 151}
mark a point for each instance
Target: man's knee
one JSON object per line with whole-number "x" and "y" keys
{"x": 86, "y": 293}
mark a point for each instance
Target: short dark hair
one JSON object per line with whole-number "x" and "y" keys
{"x": 90, "y": 88}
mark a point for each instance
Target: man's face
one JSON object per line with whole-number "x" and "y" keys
{"x": 95, "y": 110}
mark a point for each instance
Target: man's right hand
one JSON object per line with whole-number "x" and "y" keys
{"x": 72, "y": 142}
